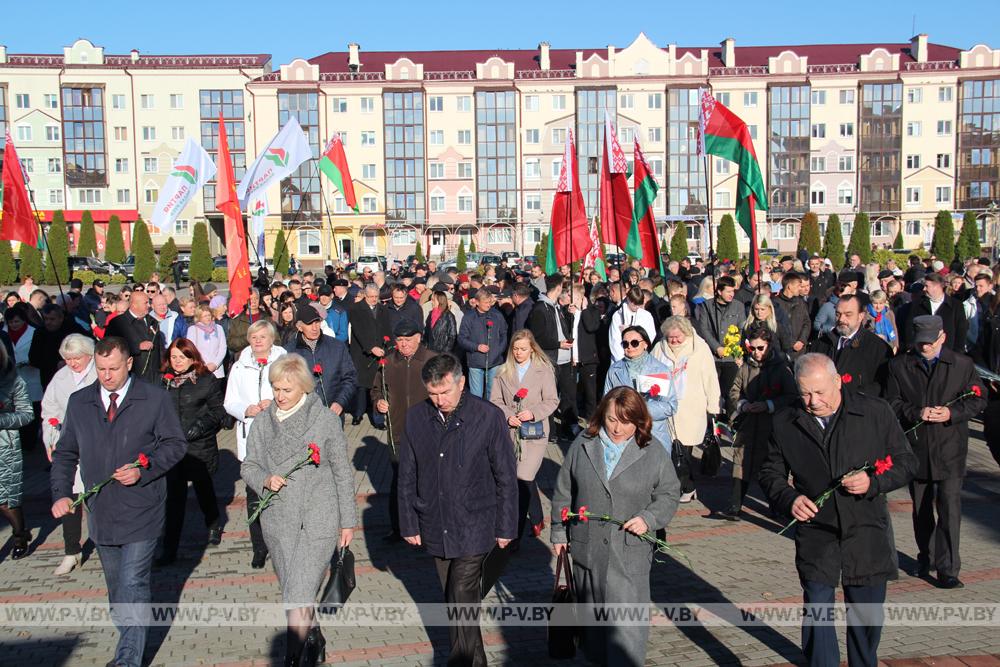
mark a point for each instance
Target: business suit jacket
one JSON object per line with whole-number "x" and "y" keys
{"x": 145, "y": 363}
{"x": 864, "y": 359}
{"x": 952, "y": 314}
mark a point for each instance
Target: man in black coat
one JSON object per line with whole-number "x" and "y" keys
{"x": 523, "y": 304}
{"x": 821, "y": 279}
{"x": 586, "y": 327}
{"x": 935, "y": 302}
{"x": 400, "y": 307}
{"x": 712, "y": 320}
{"x": 797, "y": 313}
{"x": 327, "y": 358}
{"x": 552, "y": 327}
{"x": 859, "y": 354}
{"x": 142, "y": 332}
{"x": 922, "y": 383}
{"x": 44, "y": 351}
{"x": 457, "y": 490}
{"x": 369, "y": 342}
{"x": 849, "y": 538}
{"x": 109, "y": 425}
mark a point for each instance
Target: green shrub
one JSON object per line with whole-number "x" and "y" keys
{"x": 280, "y": 253}
{"x": 727, "y": 248}
{"x": 201, "y": 259}
{"x": 220, "y": 275}
{"x": 833, "y": 242}
{"x": 114, "y": 244}
{"x": 809, "y": 234}
{"x": 58, "y": 252}
{"x": 86, "y": 245}
{"x": 460, "y": 261}
{"x": 968, "y": 245}
{"x": 861, "y": 238}
{"x": 943, "y": 241}
{"x": 8, "y": 270}
{"x": 142, "y": 248}
{"x": 679, "y": 242}
{"x": 168, "y": 254}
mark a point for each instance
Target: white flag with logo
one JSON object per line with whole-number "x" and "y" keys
{"x": 192, "y": 169}
{"x": 287, "y": 150}
{"x": 257, "y": 210}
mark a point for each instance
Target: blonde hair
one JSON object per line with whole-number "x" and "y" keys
{"x": 263, "y": 324}
{"x": 509, "y": 367}
{"x": 678, "y": 322}
{"x": 293, "y": 368}
{"x": 202, "y": 309}
{"x": 706, "y": 288}
{"x": 878, "y": 296}
{"x": 76, "y": 345}
{"x": 771, "y": 321}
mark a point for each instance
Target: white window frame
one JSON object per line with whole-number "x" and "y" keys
{"x": 57, "y": 163}
{"x": 499, "y": 236}
{"x": 847, "y": 130}
{"x": 750, "y": 99}
{"x": 339, "y": 104}
{"x": 654, "y": 135}
{"x": 846, "y": 96}
{"x": 121, "y": 165}
{"x": 912, "y": 228}
{"x": 177, "y": 133}
{"x": 369, "y": 204}
{"x": 914, "y": 95}
{"x": 465, "y": 202}
{"x": 464, "y": 137}
{"x": 22, "y": 101}
{"x": 818, "y": 130}
{"x": 723, "y": 199}
{"x": 148, "y": 162}
{"x": 913, "y": 195}
{"x": 176, "y": 100}
{"x": 533, "y": 202}
{"x": 465, "y": 170}
{"x": 23, "y": 132}
{"x": 945, "y": 93}
{"x": 559, "y": 136}
{"x": 404, "y": 237}
{"x": 817, "y": 163}
{"x": 119, "y": 101}
{"x": 532, "y": 136}
{"x": 845, "y": 195}
{"x": 56, "y": 197}
{"x": 368, "y": 138}
{"x": 654, "y": 101}
{"x": 626, "y": 101}
{"x": 53, "y": 133}
{"x": 435, "y": 103}
{"x": 944, "y": 163}
{"x": 51, "y": 101}
{"x": 463, "y": 103}
{"x": 439, "y": 202}
{"x": 818, "y": 97}
{"x": 913, "y": 128}
{"x": 845, "y": 166}
{"x": 942, "y": 194}
{"x": 531, "y": 102}
{"x": 817, "y": 196}
{"x": 944, "y": 128}
{"x": 436, "y": 138}
{"x": 307, "y": 239}
{"x": 89, "y": 195}
{"x": 435, "y": 170}
{"x": 182, "y": 227}
{"x": 559, "y": 102}
{"x": 123, "y": 196}
{"x": 147, "y": 101}
{"x": 369, "y": 171}
{"x": 150, "y": 195}
{"x": 913, "y": 161}
{"x": 367, "y": 105}
{"x": 149, "y": 133}
{"x": 532, "y": 169}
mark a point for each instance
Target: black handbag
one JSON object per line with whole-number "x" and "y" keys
{"x": 562, "y": 638}
{"x": 532, "y": 430}
{"x": 341, "y": 583}
{"x": 711, "y": 452}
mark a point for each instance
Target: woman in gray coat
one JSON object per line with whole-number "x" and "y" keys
{"x": 617, "y": 468}
{"x": 314, "y": 512}
{"x": 15, "y": 412}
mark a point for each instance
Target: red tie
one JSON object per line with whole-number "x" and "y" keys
{"x": 112, "y": 407}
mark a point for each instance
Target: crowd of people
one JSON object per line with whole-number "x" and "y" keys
{"x": 470, "y": 376}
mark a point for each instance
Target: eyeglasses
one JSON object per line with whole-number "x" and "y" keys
{"x": 635, "y": 342}
{"x": 757, "y": 348}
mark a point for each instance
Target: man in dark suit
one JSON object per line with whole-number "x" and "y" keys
{"x": 523, "y": 304}
{"x": 586, "y": 328}
{"x": 44, "y": 351}
{"x": 142, "y": 333}
{"x": 552, "y": 327}
{"x": 368, "y": 345}
{"x": 109, "y": 425}
{"x": 859, "y": 354}
{"x": 921, "y": 384}
{"x": 936, "y": 302}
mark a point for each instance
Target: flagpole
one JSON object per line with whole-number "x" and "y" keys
{"x": 329, "y": 222}
{"x": 708, "y": 214}
{"x": 48, "y": 248}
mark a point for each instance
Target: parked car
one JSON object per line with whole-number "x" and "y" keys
{"x": 185, "y": 265}
{"x": 471, "y": 264}
{"x": 220, "y": 263}
{"x": 127, "y": 268}
{"x": 368, "y": 262}
{"x": 511, "y": 256}
{"x": 78, "y": 263}
{"x": 529, "y": 260}
{"x": 489, "y": 259}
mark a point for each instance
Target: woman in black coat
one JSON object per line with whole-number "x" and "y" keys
{"x": 440, "y": 331}
{"x": 197, "y": 396}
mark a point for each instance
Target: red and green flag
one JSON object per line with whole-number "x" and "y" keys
{"x": 569, "y": 235}
{"x": 333, "y": 164}
{"x": 723, "y": 134}
{"x": 642, "y": 242}
{"x": 616, "y": 203}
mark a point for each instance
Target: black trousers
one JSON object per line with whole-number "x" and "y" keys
{"x": 394, "y": 499}
{"x": 194, "y": 470}
{"x": 683, "y": 457}
{"x": 72, "y": 525}
{"x": 864, "y": 624}
{"x": 529, "y": 505}
{"x": 566, "y": 386}
{"x": 586, "y": 383}
{"x": 460, "y": 580}
{"x": 938, "y": 539}
{"x": 256, "y": 533}
{"x": 991, "y": 428}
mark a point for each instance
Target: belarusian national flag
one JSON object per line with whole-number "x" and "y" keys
{"x": 616, "y": 204}
{"x": 595, "y": 258}
{"x": 287, "y": 150}
{"x": 333, "y": 164}
{"x": 642, "y": 242}
{"x": 569, "y": 235}
{"x": 228, "y": 203}
{"x": 192, "y": 169}
{"x": 722, "y": 133}
{"x": 19, "y": 222}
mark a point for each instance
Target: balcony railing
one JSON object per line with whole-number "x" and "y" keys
{"x": 546, "y": 74}
{"x": 931, "y": 66}
{"x": 456, "y": 75}
{"x": 842, "y": 68}
{"x": 352, "y": 76}
{"x": 743, "y": 70}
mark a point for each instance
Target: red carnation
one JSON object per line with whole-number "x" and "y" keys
{"x": 385, "y": 339}
{"x": 168, "y": 376}
{"x": 976, "y": 391}
{"x": 489, "y": 323}
{"x": 53, "y": 421}
{"x": 262, "y": 361}
{"x": 313, "y": 297}
{"x": 883, "y": 465}
{"x": 143, "y": 460}
{"x": 582, "y": 513}
{"x": 654, "y": 391}
{"x": 564, "y": 515}
{"x": 317, "y": 370}
{"x": 846, "y": 378}
{"x": 314, "y": 452}
{"x": 521, "y": 394}
{"x": 383, "y": 361}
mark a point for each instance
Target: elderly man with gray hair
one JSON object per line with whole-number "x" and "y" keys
{"x": 847, "y": 540}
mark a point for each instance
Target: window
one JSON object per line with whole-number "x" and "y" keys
{"x": 309, "y": 242}
{"x": 367, "y": 104}
{"x": 533, "y": 235}
{"x": 817, "y": 197}
{"x": 121, "y": 133}
{"x": 944, "y": 160}
{"x": 819, "y": 97}
{"x": 435, "y": 103}
{"x": 229, "y": 105}
{"x": 340, "y": 205}
{"x": 914, "y": 95}
{"x": 881, "y": 228}
{"x": 721, "y": 166}
{"x": 845, "y": 195}
{"x": 89, "y": 196}
{"x": 465, "y": 170}
{"x": 150, "y": 165}
{"x": 847, "y": 129}
{"x": 558, "y": 102}
{"x": 531, "y": 102}
{"x": 368, "y": 138}
{"x": 23, "y": 133}
{"x": 84, "y": 149}
{"x": 556, "y": 168}
{"x": 339, "y": 104}
{"x": 148, "y": 133}
{"x": 784, "y": 230}
{"x": 369, "y": 204}
{"x": 437, "y": 203}
{"x": 55, "y": 165}
{"x": 817, "y": 164}
{"x": 913, "y": 195}
{"x": 147, "y": 101}
{"x": 686, "y": 178}
{"x": 531, "y": 137}
{"x": 496, "y": 151}
{"x": 627, "y": 101}
{"x": 847, "y": 96}
{"x": 943, "y": 128}
{"x": 912, "y": 227}
{"x": 945, "y": 94}
{"x": 436, "y": 170}
{"x": 845, "y": 163}
{"x": 533, "y": 202}
{"x": 55, "y": 197}
{"x": 403, "y": 118}
{"x": 404, "y": 236}
{"x": 176, "y": 102}
{"x": 753, "y": 132}
{"x": 913, "y": 162}
{"x": 22, "y": 101}
{"x": 942, "y": 194}
{"x": 499, "y": 236}
{"x": 437, "y": 137}
{"x": 118, "y": 102}
{"x": 559, "y": 136}
{"x": 181, "y": 227}
{"x": 750, "y": 98}
{"x": 723, "y": 199}
{"x": 845, "y": 229}
{"x": 343, "y": 136}
{"x": 655, "y": 165}
{"x": 368, "y": 171}
{"x": 150, "y": 195}
{"x": 51, "y": 101}
{"x": 818, "y": 130}
{"x": 654, "y": 135}
{"x": 28, "y": 165}
{"x": 464, "y": 137}
{"x": 121, "y": 165}
{"x": 124, "y": 196}
{"x": 465, "y": 203}
{"x": 52, "y": 133}
{"x": 654, "y": 100}
{"x": 177, "y": 133}
{"x": 464, "y": 103}
{"x": 913, "y": 128}
{"x": 626, "y": 135}
{"x": 722, "y": 98}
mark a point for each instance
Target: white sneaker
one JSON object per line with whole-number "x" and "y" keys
{"x": 688, "y": 497}
{"x": 68, "y": 564}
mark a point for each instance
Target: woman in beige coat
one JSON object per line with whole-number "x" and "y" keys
{"x": 529, "y": 371}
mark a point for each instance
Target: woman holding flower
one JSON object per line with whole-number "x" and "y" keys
{"x": 525, "y": 389}
{"x": 616, "y": 468}
{"x": 313, "y": 513}
{"x": 210, "y": 339}
{"x": 248, "y": 393}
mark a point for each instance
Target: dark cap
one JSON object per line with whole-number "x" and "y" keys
{"x": 307, "y": 315}
{"x": 341, "y": 282}
{"x": 787, "y": 258}
{"x": 493, "y": 289}
{"x": 849, "y": 277}
{"x": 405, "y": 328}
{"x": 441, "y": 288}
{"x": 419, "y": 281}
{"x": 208, "y": 288}
{"x": 885, "y": 273}
{"x": 324, "y": 290}
{"x": 444, "y": 278}
{"x": 98, "y": 283}
{"x": 506, "y": 293}
{"x": 926, "y": 328}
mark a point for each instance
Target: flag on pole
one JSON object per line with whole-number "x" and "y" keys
{"x": 192, "y": 169}
{"x": 595, "y": 258}
{"x": 286, "y": 151}
{"x": 722, "y": 133}
{"x": 258, "y": 212}
{"x": 19, "y": 223}
{"x": 333, "y": 165}
{"x": 642, "y": 242}
{"x": 616, "y": 204}
{"x": 569, "y": 235}
{"x": 228, "y": 203}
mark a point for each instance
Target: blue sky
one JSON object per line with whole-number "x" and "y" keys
{"x": 256, "y": 26}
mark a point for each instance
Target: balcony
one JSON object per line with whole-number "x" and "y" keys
{"x": 843, "y": 68}
{"x": 931, "y": 66}
{"x": 745, "y": 70}
{"x": 546, "y": 74}
{"x": 456, "y": 75}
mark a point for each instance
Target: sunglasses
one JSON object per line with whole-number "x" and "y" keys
{"x": 757, "y": 348}
{"x": 626, "y": 344}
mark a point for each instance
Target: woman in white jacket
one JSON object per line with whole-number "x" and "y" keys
{"x": 247, "y": 395}
{"x": 694, "y": 378}
{"x": 78, "y": 353}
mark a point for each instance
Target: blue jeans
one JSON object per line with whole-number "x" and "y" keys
{"x": 864, "y": 630}
{"x": 126, "y": 572}
{"x": 476, "y": 376}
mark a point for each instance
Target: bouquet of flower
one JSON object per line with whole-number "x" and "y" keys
{"x": 269, "y": 495}
{"x": 141, "y": 462}
{"x": 881, "y": 466}
{"x": 521, "y": 394}
{"x": 582, "y": 514}
{"x": 974, "y": 390}
{"x": 385, "y": 396}
{"x": 732, "y": 344}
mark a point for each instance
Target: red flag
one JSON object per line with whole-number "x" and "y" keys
{"x": 570, "y": 237}
{"x": 19, "y": 223}
{"x": 616, "y": 203}
{"x": 226, "y": 202}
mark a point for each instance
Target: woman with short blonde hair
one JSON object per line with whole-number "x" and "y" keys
{"x": 209, "y": 338}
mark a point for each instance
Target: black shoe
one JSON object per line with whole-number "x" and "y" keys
{"x": 949, "y": 582}
{"x": 215, "y": 535}
{"x": 166, "y": 560}
{"x": 355, "y": 421}
{"x": 258, "y": 561}
{"x": 314, "y": 651}
{"x": 730, "y": 514}
{"x": 923, "y": 571}
{"x": 390, "y": 538}
{"x": 21, "y": 542}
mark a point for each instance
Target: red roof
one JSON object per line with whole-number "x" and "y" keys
{"x": 528, "y": 59}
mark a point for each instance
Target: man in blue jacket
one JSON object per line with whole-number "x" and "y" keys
{"x": 457, "y": 490}
{"x": 328, "y": 358}
{"x": 110, "y": 425}
{"x": 336, "y": 314}
{"x": 483, "y": 337}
